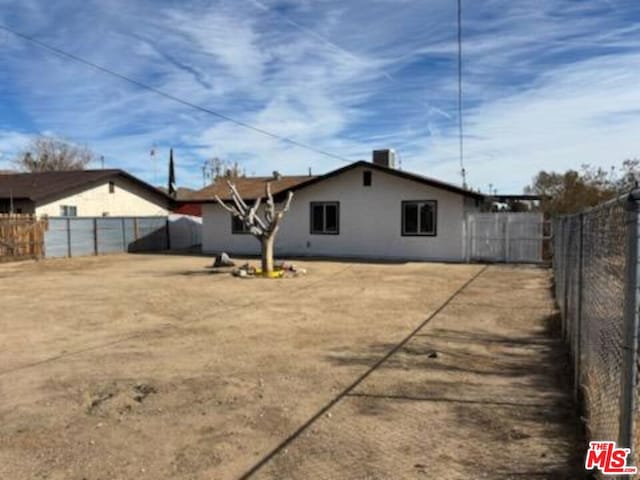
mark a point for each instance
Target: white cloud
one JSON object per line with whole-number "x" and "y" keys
{"x": 548, "y": 84}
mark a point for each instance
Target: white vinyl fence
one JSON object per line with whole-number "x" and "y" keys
{"x": 510, "y": 237}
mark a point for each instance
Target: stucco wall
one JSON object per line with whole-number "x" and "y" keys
{"x": 128, "y": 199}
{"x": 370, "y": 222}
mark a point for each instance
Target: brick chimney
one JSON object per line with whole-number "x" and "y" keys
{"x": 385, "y": 158}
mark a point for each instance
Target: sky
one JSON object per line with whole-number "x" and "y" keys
{"x": 550, "y": 84}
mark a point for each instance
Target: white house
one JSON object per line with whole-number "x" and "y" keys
{"x": 81, "y": 193}
{"x": 363, "y": 210}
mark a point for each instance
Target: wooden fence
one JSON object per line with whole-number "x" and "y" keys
{"x": 21, "y": 236}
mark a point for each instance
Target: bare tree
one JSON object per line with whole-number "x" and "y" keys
{"x": 46, "y": 154}
{"x": 264, "y": 229}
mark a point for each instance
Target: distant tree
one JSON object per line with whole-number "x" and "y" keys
{"x": 47, "y": 154}
{"x": 572, "y": 191}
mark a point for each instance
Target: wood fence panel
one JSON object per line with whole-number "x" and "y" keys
{"x": 21, "y": 236}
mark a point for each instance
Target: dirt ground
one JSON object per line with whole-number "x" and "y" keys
{"x": 156, "y": 367}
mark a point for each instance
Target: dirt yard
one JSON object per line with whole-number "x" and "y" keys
{"x": 156, "y": 367}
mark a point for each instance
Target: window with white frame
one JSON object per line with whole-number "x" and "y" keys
{"x": 325, "y": 218}
{"x": 68, "y": 211}
{"x": 419, "y": 218}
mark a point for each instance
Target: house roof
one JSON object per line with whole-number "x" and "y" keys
{"x": 253, "y": 187}
{"x": 249, "y": 188}
{"x": 43, "y": 186}
{"x": 398, "y": 173}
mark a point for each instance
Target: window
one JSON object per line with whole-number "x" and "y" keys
{"x": 238, "y": 226}
{"x": 419, "y": 217}
{"x": 366, "y": 178}
{"x": 68, "y": 211}
{"x": 325, "y": 218}
{"x": 112, "y": 187}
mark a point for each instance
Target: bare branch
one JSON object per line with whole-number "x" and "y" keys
{"x": 253, "y": 215}
{"x": 270, "y": 211}
{"x": 287, "y": 204}
{"x": 237, "y": 198}
{"x": 228, "y": 208}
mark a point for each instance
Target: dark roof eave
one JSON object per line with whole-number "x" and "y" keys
{"x": 392, "y": 171}
{"x": 97, "y": 181}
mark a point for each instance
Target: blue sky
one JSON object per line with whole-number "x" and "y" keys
{"x": 550, "y": 84}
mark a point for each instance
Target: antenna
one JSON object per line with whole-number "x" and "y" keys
{"x": 152, "y": 154}
{"x": 204, "y": 174}
{"x": 460, "y": 130}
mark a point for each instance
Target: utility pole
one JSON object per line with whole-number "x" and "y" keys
{"x": 460, "y": 129}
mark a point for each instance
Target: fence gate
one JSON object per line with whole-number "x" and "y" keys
{"x": 511, "y": 237}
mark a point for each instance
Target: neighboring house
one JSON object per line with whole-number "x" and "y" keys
{"x": 366, "y": 210}
{"x": 186, "y": 208}
{"x": 81, "y": 193}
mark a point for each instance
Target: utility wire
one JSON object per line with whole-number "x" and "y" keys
{"x": 169, "y": 96}
{"x": 460, "y": 129}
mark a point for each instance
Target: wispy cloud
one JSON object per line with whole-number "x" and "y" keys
{"x": 548, "y": 84}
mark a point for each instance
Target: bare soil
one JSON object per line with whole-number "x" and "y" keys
{"x": 156, "y": 367}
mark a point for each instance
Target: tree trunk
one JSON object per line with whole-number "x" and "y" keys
{"x": 267, "y": 254}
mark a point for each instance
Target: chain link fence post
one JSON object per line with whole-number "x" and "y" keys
{"x": 578, "y": 323}
{"x": 630, "y": 346}
{"x": 566, "y": 234}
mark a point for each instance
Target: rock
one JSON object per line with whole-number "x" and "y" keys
{"x": 223, "y": 260}
{"x": 433, "y": 354}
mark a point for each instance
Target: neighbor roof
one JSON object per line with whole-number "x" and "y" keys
{"x": 253, "y": 187}
{"x": 43, "y": 186}
{"x": 249, "y": 188}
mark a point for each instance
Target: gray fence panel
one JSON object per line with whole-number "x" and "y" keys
{"x": 151, "y": 235}
{"x": 82, "y": 237}
{"x": 129, "y": 232}
{"x": 56, "y": 242}
{"x": 109, "y": 235}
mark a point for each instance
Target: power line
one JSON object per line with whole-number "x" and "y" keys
{"x": 460, "y": 130}
{"x": 166, "y": 95}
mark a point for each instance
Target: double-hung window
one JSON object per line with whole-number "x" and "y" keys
{"x": 325, "y": 218}
{"x": 419, "y": 218}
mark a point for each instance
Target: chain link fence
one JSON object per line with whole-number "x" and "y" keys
{"x": 595, "y": 255}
